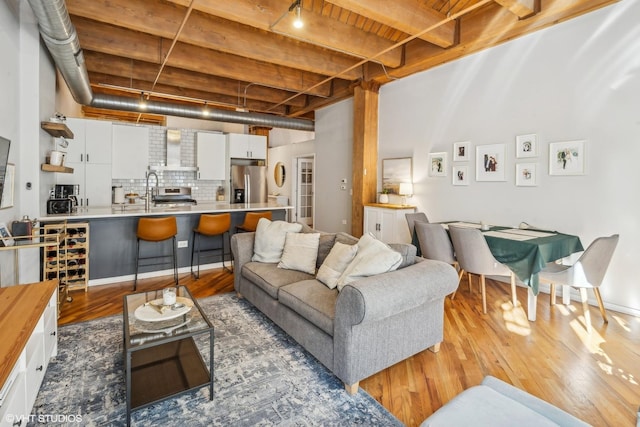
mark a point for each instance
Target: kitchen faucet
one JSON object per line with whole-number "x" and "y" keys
{"x": 147, "y": 196}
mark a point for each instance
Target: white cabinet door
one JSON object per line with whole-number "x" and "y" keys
{"x": 257, "y": 146}
{"x": 75, "y": 149}
{"x": 211, "y": 154}
{"x": 98, "y": 184}
{"x": 130, "y": 155}
{"x": 238, "y": 144}
{"x": 244, "y": 146}
{"x": 387, "y": 224}
{"x": 98, "y": 142}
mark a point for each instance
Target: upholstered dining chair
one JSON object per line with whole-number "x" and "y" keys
{"x": 587, "y": 272}
{"x": 475, "y": 257}
{"x": 436, "y": 244}
{"x": 411, "y": 220}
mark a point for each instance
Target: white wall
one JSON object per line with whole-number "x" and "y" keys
{"x": 579, "y": 80}
{"x": 27, "y": 84}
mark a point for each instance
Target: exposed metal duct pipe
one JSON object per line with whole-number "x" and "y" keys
{"x": 62, "y": 41}
{"x": 124, "y": 103}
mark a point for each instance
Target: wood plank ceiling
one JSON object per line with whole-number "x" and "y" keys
{"x": 246, "y": 54}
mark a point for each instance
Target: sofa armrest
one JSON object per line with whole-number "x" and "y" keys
{"x": 377, "y": 297}
{"x": 242, "y": 250}
{"x": 532, "y": 402}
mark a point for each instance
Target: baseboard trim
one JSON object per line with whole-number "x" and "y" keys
{"x": 148, "y": 275}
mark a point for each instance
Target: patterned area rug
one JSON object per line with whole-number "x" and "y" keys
{"x": 261, "y": 378}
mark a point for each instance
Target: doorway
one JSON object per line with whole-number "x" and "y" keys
{"x": 305, "y": 185}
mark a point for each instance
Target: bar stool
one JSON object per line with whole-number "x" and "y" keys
{"x": 210, "y": 226}
{"x": 251, "y": 220}
{"x": 156, "y": 230}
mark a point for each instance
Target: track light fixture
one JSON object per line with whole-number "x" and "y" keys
{"x": 205, "y": 110}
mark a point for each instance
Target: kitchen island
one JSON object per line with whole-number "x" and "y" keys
{"x": 112, "y": 246}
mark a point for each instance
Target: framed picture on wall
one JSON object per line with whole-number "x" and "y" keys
{"x": 490, "y": 162}
{"x": 526, "y": 146}
{"x": 567, "y": 158}
{"x": 461, "y": 151}
{"x": 460, "y": 175}
{"x": 526, "y": 175}
{"x": 437, "y": 164}
{"x": 5, "y": 235}
{"x": 396, "y": 171}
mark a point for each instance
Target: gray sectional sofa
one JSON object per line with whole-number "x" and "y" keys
{"x": 371, "y": 324}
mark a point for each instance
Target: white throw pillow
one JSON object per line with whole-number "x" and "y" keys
{"x": 335, "y": 263}
{"x": 270, "y": 238}
{"x": 373, "y": 257}
{"x": 300, "y": 252}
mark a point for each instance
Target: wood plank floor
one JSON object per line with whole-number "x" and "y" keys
{"x": 595, "y": 377}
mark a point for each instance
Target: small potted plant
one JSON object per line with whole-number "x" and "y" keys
{"x": 384, "y": 196}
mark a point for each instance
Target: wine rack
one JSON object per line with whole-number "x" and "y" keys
{"x": 71, "y": 266}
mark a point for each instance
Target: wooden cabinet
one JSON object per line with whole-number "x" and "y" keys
{"x": 28, "y": 323}
{"x": 211, "y": 155}
{"x": 90, "y": 156}
{"x": 388, "y": 222}
{"x": 70, "y": 265}
{"x": 130, "y": 152}
{"x": 244, "y": 146}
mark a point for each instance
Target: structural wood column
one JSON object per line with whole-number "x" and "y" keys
{"x": 365, "y": 151}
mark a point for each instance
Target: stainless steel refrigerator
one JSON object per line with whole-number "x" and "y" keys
{"x": 248, "y": 184}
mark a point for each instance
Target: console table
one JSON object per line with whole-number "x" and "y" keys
{"x": 28, "y": 331}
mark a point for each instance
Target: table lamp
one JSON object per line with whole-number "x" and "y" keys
{"x": 405, "y": 190}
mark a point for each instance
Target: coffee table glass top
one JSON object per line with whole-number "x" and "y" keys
{"x": 148, "y": 321}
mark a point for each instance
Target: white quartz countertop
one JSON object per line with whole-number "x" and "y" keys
{"x": 139, "y": 210}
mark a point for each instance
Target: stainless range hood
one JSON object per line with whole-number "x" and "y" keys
{"x": 174, "y": 154}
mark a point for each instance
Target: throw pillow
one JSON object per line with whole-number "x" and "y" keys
{"x": 270, "y": 238}
{"x": 373, "y": 257}
{"x": 335, "y": 263}
{"x": 300, "y": 252}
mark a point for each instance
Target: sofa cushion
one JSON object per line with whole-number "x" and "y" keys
{"x": 373, "y": 257}
{"x": 270, "y": 238}
{"x": 334, "y": 265}
{"x": 270, "y": 278}
{"x": 407, "y": 251}
{"x": 300, "y": 252}
{"x": 326, "y": 243}
{"x": 311, "y": 300}
{"x": 345, "y": 238}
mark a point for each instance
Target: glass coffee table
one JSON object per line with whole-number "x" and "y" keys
{"x": 161, "y": 358}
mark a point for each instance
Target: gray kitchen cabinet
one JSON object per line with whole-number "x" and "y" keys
{"x": 130, "y": 152}
{"x": 211, "y": 155}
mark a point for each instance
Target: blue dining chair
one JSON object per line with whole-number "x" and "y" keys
{"x": 587, "y": 272}
{"x": 475, "y": 257}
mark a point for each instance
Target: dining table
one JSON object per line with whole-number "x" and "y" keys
{"x": 526, "y": 251}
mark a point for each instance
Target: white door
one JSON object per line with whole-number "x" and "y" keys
{"x": 304, "y": 193}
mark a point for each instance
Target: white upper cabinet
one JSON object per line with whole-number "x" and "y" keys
{"x": 211, "y": 155}
{"x": 130, "y": 155}
{"x": 243, "y": 146}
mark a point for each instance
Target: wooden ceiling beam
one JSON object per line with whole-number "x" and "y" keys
{"x": 126, "y": 68}
{"x": 521, "y": 8}
{"x": 117, "y": 41}
{"x": 163, "y": 20}
{"x": 318, "y": 30}
{"x": 409, "y": 16}
{"x": 486, "y": 27}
